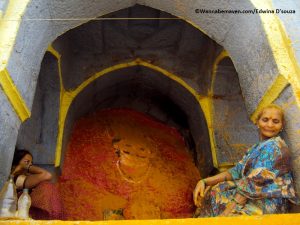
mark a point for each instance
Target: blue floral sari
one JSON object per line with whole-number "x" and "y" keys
{"x": 263, "y": 176}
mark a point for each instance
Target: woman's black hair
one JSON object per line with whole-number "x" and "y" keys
{"x": 19, "y": 154}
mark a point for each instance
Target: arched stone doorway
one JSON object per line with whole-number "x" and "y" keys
{"x": 82, "y": 51}
{"x": 164, "y": 68}
{"x": 226, "y": 31}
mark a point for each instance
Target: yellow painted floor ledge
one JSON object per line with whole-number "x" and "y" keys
{"x": 278, "y": 219}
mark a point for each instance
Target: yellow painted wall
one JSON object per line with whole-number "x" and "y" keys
{"x": 281, "y": 219}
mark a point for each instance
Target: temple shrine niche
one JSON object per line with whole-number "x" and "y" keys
{"x": 187, "y": 83}
{"x": 124, "y": 160}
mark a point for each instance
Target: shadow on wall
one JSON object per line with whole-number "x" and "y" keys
{"x": 234, "y": 131}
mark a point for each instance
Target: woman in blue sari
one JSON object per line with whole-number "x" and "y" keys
{"x": 261, "y": 183}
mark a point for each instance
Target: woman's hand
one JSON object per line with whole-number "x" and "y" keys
{"x": 204, "y": 185}
{"x": 200, "y": 192}
{"x": 18, "y": 170}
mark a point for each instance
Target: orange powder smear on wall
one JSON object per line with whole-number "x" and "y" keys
{"x": 148, "y": 173}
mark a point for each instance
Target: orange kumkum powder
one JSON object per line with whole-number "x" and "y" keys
{"x": 153, "y": 181}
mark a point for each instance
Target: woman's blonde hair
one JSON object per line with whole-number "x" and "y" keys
{"x": 271, "y": 106}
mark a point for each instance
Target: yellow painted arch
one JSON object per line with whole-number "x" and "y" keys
{"x": 277, "y": 38}
{"x": 210, "y": 107}
{"x": 283, "y": 53}
{"x": 13, "y": 95}
{"x": 68, "y": 97}
{"x": 284, "y": 56}
{"x": 289, "y": 71}
{"x": 10, "y": 21}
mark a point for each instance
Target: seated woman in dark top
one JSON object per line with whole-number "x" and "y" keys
{"x": 260, "y": 183}
{"x": 26, "y": 174}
